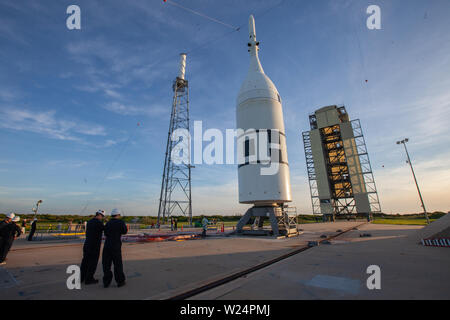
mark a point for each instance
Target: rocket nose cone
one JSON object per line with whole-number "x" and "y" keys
{"x": 251, "y": 26}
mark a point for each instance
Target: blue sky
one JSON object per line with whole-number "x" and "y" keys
{"x": 71, "y": 99}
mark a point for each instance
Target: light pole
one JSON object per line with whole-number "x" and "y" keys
{"x": 35, "y": 210}
{"x": 404, "y": 141}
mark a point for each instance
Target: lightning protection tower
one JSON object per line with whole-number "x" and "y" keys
{"x": 175, "y": 195}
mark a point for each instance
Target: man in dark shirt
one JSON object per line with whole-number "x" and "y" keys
{"x": 14, "y": 231}
{"x": 33, "y": 230}
{"x": 112, "y": 250}
{"x": 4, "y": 235}
{"x": 24, "y": 225}
{"x": 91, "y": 248}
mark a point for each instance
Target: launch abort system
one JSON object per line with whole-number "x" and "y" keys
{"x": 259, "y": 116}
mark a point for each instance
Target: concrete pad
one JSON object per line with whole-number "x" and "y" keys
{"x": 153, "y": 270}
{"x": 338, "y": 271}
{"x": 441, "y": 225}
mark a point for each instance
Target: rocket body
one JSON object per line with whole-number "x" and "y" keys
{"x": 259, "y": 113}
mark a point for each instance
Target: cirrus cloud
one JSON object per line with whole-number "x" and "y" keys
{"x": 48, "y": 123}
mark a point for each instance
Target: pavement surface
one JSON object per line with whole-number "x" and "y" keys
{"x": 339, "y": 270}
{"x": 160, "y": 270}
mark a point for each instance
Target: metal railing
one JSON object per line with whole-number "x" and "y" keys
{"x": 73, "y": 231}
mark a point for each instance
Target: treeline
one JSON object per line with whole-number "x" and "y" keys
{"x": 148, "y": 220}
{"x": 56, "y": 218}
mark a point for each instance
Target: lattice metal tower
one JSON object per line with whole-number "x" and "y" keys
{"x": 176, "y": 180}
{"x": 339, "y": 171}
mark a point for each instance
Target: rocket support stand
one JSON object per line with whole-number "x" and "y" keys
{"x": 261, "y": 213}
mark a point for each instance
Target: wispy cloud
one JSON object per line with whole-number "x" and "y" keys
{"x": 130, "y": 110}
{"x": 122, "y": 109}
{"x": 71, "y": 194}
{"x": 48, "y": 124}
{"x": 109, "y": 66}
{"x": 8, "y": 30}
{"x": 21, "y": 190}
{"x": 7, "y": 94}
{"x": 116, "y": 176}
{"x": 110, "y": 143}
{"x": 68, "y": 163}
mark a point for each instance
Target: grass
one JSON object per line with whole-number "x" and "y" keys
{"x": 401, "y": 221}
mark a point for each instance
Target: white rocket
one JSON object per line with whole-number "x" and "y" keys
{"x": 259, "y": 109}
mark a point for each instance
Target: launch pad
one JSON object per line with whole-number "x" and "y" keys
{"x": 37, "y": 271}
{"x": 281, "y": 222}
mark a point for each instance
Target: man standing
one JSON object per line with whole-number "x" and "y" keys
{"x": 112, "y": 250}
{"x": 4, "y": 234}
{"x": 33, "y": 230}
{"x": 7, "y": 220}
{"x": 24, "y": 225}
{"x": 13, "y": 231}
{"x": 205, "y": 226}
{"x": 91, "y": 248}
